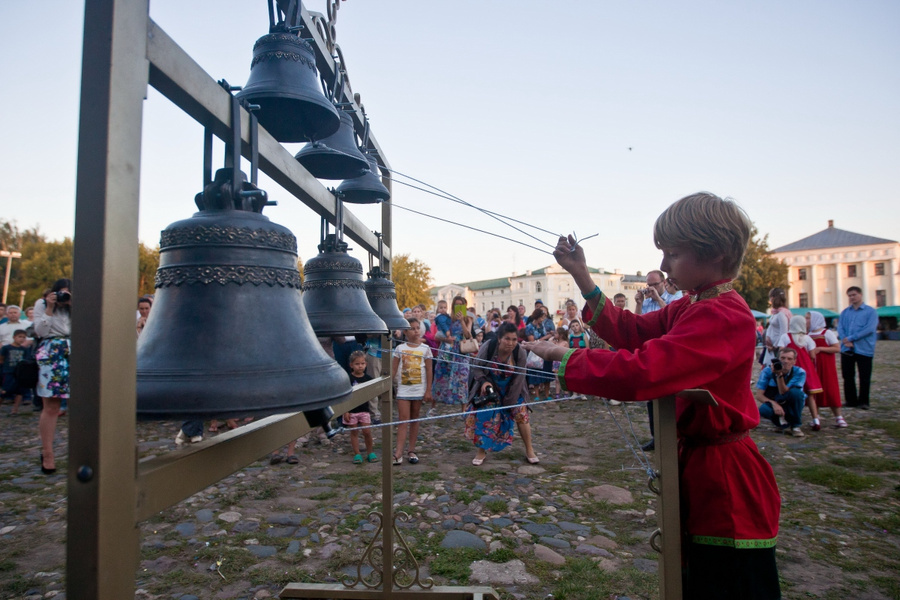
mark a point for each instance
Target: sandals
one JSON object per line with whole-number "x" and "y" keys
{"x": 532, "y": 459}
{"x": 478, "y": 461}
{"x": 412, "y": 458}
{"x": 276, "y": 458}
{"x": 398, "y": 460}
{"x": 372, "y": 457}
{"x": 292, "y": 459}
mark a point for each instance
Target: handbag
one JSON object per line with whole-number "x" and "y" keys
{"x": 468, "y": 346}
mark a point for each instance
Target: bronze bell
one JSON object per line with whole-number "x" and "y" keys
{"x": 334, "y": 293}
{"x": 366, "y": 189}
{"x": 382, "y": 297}
{"x": 284, "y": 83}
{"x": 335, "y": 157}
{"x": 228, "y": 336}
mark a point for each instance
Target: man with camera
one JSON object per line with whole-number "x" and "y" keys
{"x": 650, "y": 298}
{"x": 780, "y": 392}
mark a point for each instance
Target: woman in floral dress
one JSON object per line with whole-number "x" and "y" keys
{"x": 451, "y": 372}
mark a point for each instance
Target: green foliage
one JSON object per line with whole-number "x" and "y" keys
{"x": 836, "y": 479}
{"x": 496, "y": 506}
{"x": 411, "y": 278}
{"x": 44, "y": 261}
{"x": 874, "y": 464}
{"x": 760, "y": 272}
{"x": 454, "y": 563}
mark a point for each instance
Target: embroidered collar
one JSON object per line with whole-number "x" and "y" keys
{"x": 713, "y": 290}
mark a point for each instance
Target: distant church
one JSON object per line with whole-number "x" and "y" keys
{"x": 822, "y": 266}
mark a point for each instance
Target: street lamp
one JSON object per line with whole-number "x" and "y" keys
{"x": 9, "y": 256}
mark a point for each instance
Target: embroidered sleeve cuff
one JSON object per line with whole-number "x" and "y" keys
{"x": 601, "y": 303}
{"x": 561, "y": 374}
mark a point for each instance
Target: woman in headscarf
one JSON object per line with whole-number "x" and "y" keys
{"x": 827, "y": 346}
{"x": 797, "y": 339}
{"x": 778, "y": 323}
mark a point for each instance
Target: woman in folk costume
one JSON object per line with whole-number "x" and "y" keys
{"x": 827, "y": 347}
{"x": 797, "y": 339}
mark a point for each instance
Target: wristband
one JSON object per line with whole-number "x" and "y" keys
{"x": 593, "y": 293}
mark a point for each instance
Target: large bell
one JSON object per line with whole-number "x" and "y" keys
{"x": 382, "y": 297}
{"x": 285, "y": 84}
{"x": 228, "y": 335}
{"x": 366, "y": 189}
{"x": 334, "y": 293}
{"x": 335, "y": 157}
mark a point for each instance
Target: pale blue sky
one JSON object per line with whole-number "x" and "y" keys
{"x": 524, "y": 108}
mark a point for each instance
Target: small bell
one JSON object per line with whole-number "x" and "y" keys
{"x": 335, "y": 157}
{"x": 382, "y": 297}
{"x": 366, "y": 189}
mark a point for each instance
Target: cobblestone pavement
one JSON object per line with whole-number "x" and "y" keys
{"x": 575, "y": 525}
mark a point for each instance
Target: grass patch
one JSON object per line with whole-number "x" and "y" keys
{"x": 867, "y": 463}
{"x": 234, "y": 560}
{"x": 889, "y": 522}
{"x": 280, "y": 577}
{"x": 325, "y": 495}
{"x": 464, "y": 496}
{"x": 430, "y": 476}
{"x": 892, "y": 428}
{"x": 179, "y": 579}
{"x": 889, "y": 585}
{"x": 473, "y": 473}
{"x": 453, "y": 563}
{"x": 838, "y": 480}
{"x": 496, "y": 506}
{"x": 357, "y": 478}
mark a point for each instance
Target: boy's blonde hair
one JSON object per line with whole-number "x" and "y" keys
{"x": 708, "y": 225}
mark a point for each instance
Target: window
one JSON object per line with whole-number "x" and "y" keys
{"x": 501, "y": 305}
{"x": 880, "y": 298}
{"x": 804, "y": 300}
{"x": 879, "y": 269}
{"x": 801, "y": 274}
{"x": 537, "y": 286}
{"x": 520, "y": 285}
{"x": 851, "y": 270}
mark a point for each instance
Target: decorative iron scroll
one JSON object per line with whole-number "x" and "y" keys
{"x": 333, "y": 283}
{"x": 222, "y": 274}
{"x": 228, "y": 234}
{"x": 406, "y": 568}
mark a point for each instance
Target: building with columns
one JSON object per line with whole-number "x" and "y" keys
{"x": 822, "y": 266}
{"x": 552, "y": 285}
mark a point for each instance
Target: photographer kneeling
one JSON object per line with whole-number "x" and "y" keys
{"x": 780, "y": 392}
{"x": 500, "y": 367}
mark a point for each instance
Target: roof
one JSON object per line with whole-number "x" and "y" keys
{"x": 487, "y": 284}
{"x": 832, "y": 237}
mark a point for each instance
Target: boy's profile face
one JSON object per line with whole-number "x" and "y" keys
{"x": 687, "y": 271}
{"x": 19, "y": 339}
{"x": 358, "y": 366}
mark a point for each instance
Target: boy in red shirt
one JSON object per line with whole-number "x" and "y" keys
{"x": 730, "y": 501}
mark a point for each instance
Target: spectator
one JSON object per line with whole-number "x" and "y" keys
{"x": 805, "y": 347}
{"x": 827, "y": 345}
{"x": 671, "y": 293}
{"x": 577, "y": 337}
{"x": 571, "y": 314}
{"x": 54, "y": 326}
{"x": 778, "y": 323}
{"x": 2, "y": 313}
{"x": 539, "y": 379}
{"x": 451, "y": 373}
{"x": 515, "y": 317}
{"x": 779, "y": 391}
{"x": 13, "y": 323}
{"x": 621, "y": 300}
{"x": 144, "y": 306}
{"x": 500, "y": 365}
{"x": 412, "y": 365}
{"x": 29, "y": 314}
{"x": 360, "y": 416}
{"x": 857, "y": 327}
{"x": 10, "y": 357}
{"x": 650, "y": 298}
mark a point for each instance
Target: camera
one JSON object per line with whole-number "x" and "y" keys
{"x": 489, "y": 397}
{"x": 63, "y": 297}
{"x": 776, "y": 365}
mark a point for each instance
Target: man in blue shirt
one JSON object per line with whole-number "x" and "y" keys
{"x": 779, "y": 392}
{"x": 856, "y": 329}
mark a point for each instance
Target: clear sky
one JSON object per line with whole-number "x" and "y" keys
{"x": 589, "y": 116}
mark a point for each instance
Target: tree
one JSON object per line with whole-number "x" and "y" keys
{"x": 411, "y": 278}
{"x": 148, "y": 263}
{"x": 760, "y": 272}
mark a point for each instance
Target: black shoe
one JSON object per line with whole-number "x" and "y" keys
{"x": 649, "y": 446}
{"x": 44, "y": 469}
{"x": 863, "y": 406}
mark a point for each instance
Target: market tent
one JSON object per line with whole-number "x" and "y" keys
{"x": 828, "y": 314}
{"x": 759, "y": 315}
{"x": 889, "y": 311}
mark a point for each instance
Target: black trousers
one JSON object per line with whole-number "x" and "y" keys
{"x": 849, "y": 364}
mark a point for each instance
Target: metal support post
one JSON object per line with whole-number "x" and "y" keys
{"x": 102, "y": 548}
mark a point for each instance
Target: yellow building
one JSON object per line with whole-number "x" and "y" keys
{"x": 822, "y": 266}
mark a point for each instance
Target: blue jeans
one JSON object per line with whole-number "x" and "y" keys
{"x": 792, "y": 402}
{"x": 192, "y": 428}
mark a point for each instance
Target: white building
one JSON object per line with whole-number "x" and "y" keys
{"x": 822, "y": 266}
{"x": 552, "y": 285}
